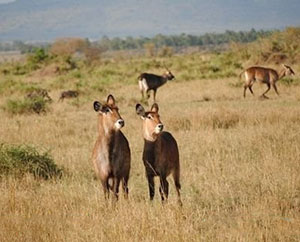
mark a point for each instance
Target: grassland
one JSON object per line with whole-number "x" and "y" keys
{"x": 240, "y": 170}
{"x": 240, "y": 158}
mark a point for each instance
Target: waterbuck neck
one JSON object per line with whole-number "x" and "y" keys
{"x": 164, "y": 79}
{"x": 150, "y": 137}
{"x": 103, "y": 129}
{"x": 281, "y": 74}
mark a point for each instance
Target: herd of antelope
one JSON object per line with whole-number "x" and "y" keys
{"x": 111, "y": 155}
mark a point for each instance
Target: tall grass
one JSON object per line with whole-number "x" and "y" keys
{"x": 239, "y": 170}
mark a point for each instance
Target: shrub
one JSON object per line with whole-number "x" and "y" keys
{"x": 67, "y": 46}
{"x": 21, "y": 159}
{"x": 27, "y": 105}
{"x": 38, "y": 56}
{"x": 165, "y": 51}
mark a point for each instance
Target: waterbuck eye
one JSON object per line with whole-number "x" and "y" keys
{"x": 107, "y": 110}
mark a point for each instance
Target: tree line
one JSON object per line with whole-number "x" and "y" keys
{"x": 182, "y": 40}
{"x": 159, "y": 41}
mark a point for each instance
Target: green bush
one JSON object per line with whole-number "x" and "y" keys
{"x": 27, "y": 105}
{"x": 21, "y": 159}
{"x": 38, "y": 56}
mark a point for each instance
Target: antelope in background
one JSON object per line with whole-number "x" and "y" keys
{"x": 68, "y": 94}
{"x": 111, "y": 154}
{"x": 39, "y": 93}
{"x": 160, "y": 155}
{"x": 264, "y": 75}
{"x": 148, "y": 82}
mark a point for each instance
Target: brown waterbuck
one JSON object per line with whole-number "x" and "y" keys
{"x": 111, "y": 154}
{"x": 68, "y": 94}
{"x": 160, "y": 155}
{"x": 148, "y": 82}
{"x": 264, "y": 75}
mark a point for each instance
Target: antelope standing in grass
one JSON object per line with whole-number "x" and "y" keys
{"x": 264, "y": 75}
{"x": 111, "y": 154}
{"x": 148, "y": 82}
{"x": 68, "y": 94}
{"x": 160, "y": 155}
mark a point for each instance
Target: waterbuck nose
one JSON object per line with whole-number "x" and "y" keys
{"x": 121, "y": 122}
{"x": 160, "y": 126}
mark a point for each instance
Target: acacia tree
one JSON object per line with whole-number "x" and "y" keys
{"x": 68, "y": 46}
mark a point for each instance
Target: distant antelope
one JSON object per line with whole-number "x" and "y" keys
{"x": 111, "y": 154}
{"x": 160, "y": 155}
{"x": 40, "y": 93}
{"x": 68, "y": 94}
{"x": 264, "y": 75}
{"x": 148, "y": 81}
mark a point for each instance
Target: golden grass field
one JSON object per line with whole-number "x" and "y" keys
{"x": 240, "y": 169}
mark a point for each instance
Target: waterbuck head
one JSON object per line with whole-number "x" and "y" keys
{"x": 152, "y": 125}
{"x": 109, "y": 117}
{"x": 168, "y": 74}
{"x": 288, "y": 70}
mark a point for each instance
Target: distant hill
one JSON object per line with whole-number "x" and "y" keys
{"x": 49, "y": 19}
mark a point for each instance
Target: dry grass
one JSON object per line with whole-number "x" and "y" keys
{"x": 240, "y": 162}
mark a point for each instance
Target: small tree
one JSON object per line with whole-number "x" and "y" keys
{"x": 150, "y": 49}
{"x": 166, "y": 51}
{"x": 92, "y": 54}
{"x": 68, "y": 46}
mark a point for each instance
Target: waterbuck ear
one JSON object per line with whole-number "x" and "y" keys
{"x": 285, "y": 66}
{"x": 97, "y": 106}
{"x": 140, "y": 110}
{"x": 111, "y": 100}
{"x": 154, "y": 108}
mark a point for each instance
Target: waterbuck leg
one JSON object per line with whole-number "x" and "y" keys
{"x": 269, "y": 86}
{"x": 141, "y": 89}
{"x": 105, "y": 186}
{"x": 116, "y": 184}
{"x": 148, "y": 94}
{"x": 125, "y": 187}
{"x": 148, "y": 97}
{"x": 164, "y": 188}
{"x": 151, "y": 186}
{"x": 177, "y": 185}
{"x": 275, "y": 88}
{"x": 142, "y": 92}
{"x": 250, "y": 88}
{"x": 245, "y": 89}
{"x": 154, "y": 95}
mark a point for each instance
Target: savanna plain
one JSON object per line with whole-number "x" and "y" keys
{"x": 240, "y": 160}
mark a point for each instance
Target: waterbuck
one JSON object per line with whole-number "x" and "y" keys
{"x": 264, "y": 75}
{"x": 68, "y": 94}
{"x": 160, "y": 155}
{"x": 148, "y": 82}
{"x": 111, "y": 154}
